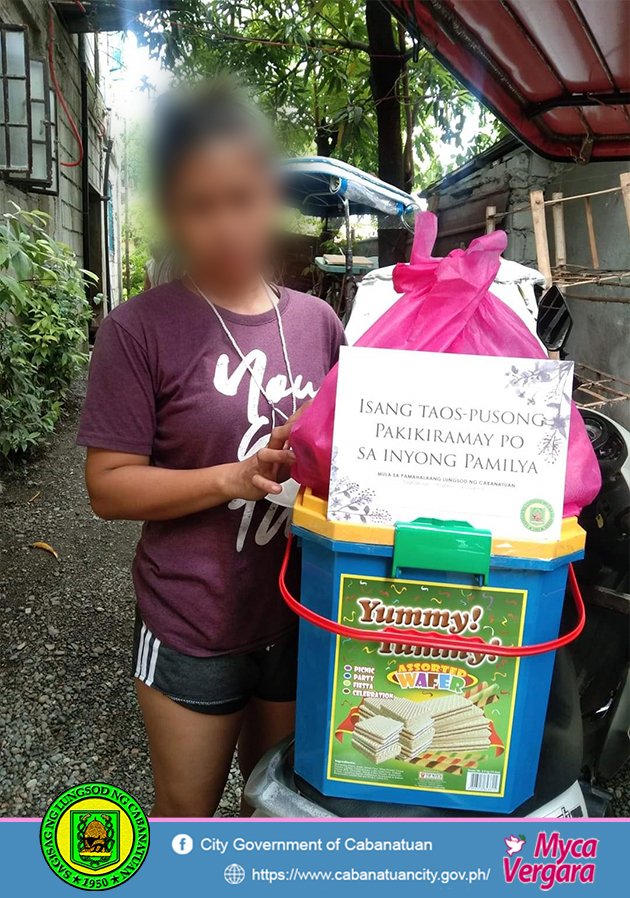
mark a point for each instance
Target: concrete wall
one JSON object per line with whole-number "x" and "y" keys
{"x": 66, "y": 208}
{"x": 600, "y": 330}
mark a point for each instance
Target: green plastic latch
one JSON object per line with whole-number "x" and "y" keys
{"x": 434, "y": 545}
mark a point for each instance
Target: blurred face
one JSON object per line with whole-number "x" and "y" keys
{"x": 221, "y": 212}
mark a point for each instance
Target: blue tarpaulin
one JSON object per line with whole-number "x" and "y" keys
{"x": 318, "y": 186}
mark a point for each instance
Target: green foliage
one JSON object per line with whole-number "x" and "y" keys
{"x": 308, "y": 65}
{"x": 140, "y": 225}
{"x": 138, "y": 258}
{"x": 43, "y": 325}
{"x": 135, "y": 160}
{"x": 142, "y": 236}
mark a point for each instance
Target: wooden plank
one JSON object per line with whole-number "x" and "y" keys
{"x": 591, "y": 392}
{"x": 591, "y": 231}
{"x": 624, "y": 178}
{"x": 537, "y": 199}
{"x": 491, "y": 224}
{"x": 600, "y": 374}
{"x": 565, "y": 280}
{"x": 581, "y": 196}
{"x": 557, "y": 212}
{"x": 622, "y": 299}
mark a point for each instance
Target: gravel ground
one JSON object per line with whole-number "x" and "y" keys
{"x": 68, "y": 712}
{"x": 619, "y": 787}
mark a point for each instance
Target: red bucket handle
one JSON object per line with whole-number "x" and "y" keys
{"x": 434, "y": 640}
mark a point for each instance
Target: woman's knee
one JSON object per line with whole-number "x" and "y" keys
{"x": 170, "y": 802}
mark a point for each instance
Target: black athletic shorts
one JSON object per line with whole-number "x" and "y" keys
{"x": 221, "y": 684}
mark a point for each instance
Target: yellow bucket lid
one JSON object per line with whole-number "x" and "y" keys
{"x": 310, "y": 512}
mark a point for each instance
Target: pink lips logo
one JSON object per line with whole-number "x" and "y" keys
{"x": 514, "y": 844}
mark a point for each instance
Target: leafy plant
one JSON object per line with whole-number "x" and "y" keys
{"x": 141, "y": 232}
{"x": 43, "y": 326}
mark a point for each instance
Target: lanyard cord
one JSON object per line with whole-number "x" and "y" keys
{"x": 240, "y": 354}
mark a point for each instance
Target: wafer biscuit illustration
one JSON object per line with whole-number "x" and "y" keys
{"x": 416, "y": 736}
{"x": 372, "y": 744}
{"x": 379, "y": 756}
{"x": 417, "y": 724}
{"x": 379, "y": 727}
{"x": 370, "y": 707}
{"x": 472, "y": 717}
{"x": 402, "y": 709}
{"x": 377, "y": 738}
{"x": 446, "y": 704}
{"x": 475, "y": 719}
{"x": 373, "y": 705}
{"x": 460, "y": 742}
{"x": 411, "y": 749}
{"x": 470, "y": 734}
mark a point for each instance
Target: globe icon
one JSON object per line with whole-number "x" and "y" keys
{"x": 234, "y": 874}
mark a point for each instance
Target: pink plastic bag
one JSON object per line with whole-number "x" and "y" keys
{"x": 445, "y": 307}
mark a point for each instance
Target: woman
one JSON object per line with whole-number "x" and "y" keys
{"x": 187, "y": 383}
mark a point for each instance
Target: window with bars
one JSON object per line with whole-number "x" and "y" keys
{"x": 28, "y": 121}
{"x": 52, "y": 185}
{"x": 15, "y": 108}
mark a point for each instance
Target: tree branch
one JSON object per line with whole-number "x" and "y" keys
{"x": 314, "y": 44}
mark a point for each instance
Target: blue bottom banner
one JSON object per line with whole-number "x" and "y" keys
{"x": 101, "y": 851}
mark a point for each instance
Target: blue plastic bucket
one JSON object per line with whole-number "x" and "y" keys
{"x": 383, "y": 722}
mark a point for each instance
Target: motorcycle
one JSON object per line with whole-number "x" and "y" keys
{"x": 601, "y": 658}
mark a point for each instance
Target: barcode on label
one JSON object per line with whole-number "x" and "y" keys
{"x": 482, "y": 782}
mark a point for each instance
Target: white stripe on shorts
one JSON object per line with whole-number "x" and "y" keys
{"x": 140, "y": 647}
{"x": 154, "y": 656}
{"x": 145, "y": 654}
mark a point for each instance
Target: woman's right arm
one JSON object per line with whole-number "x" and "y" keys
{"x": 122, "y": 486}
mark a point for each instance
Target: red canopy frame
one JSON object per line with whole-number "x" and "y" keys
{"x": 557, "y": 73}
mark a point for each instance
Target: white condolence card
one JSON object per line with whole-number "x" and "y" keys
{"x": 457, "y": 437}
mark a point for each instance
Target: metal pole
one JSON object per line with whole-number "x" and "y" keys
{"x": 85, "y": 178}
{"x": 346, "y": 304}
{"x": 106, "y": 199}
{"x": 126, "y": 191}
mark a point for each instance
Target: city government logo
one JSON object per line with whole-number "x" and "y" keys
{"x": 94, "y": 836}
{"x": 537, "y": 515}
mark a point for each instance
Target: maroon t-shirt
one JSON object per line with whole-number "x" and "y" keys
{"x": 166, "y": 382}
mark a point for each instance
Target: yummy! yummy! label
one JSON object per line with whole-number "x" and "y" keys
{"x": 421, "y": 718}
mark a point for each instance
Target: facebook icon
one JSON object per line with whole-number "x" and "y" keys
{"x": 182, "y": 844}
